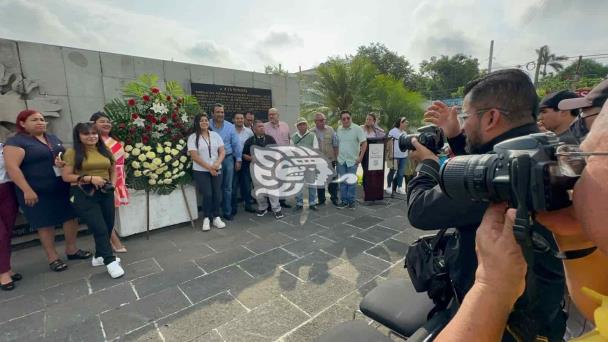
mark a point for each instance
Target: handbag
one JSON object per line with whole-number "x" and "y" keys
{"x": 426, "y": 265}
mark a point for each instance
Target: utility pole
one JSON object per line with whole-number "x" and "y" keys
{"x": 540, "y": 56}
{"x": 491, "y": 56}
{"x": 577, "y": 76}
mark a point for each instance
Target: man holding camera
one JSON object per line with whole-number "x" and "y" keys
{"x": 497, "y": 107}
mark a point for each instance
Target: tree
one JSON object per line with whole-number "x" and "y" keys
{"x": 388, "y": 62}
{"x": 275, "y": 70}
{"x": 444, "y": 75}
{"x": 392, "y": 101}
{"x": 587, "y": 68}
{"x": 550, "y": 59}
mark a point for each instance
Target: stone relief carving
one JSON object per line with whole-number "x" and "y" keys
{"x": 17, "y": 94}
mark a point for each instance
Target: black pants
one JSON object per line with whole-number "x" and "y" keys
{"x": 97, "y": 212}
{"x": 210, "y": 187}
{"x": 332, "y": 187}
{"x": 241, "y": 181}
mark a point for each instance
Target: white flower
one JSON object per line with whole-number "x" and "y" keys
{"x": 182, "y": 141}
{"x": 167, "y": 150}
{"x": 137, "y": 173}
{"x": 174, "y": 152}
{"x": 159, "y": 108}
{"x": 150, "y": 155}
{"x": 153, "y": 176}
{"x": 157, "y": 161}
{"x": 128, "y": 148}
{"x": 175, "y": 164}
{"x": 167, "y": 158}
{"x": 183, "y": 159}
{"x": 140, "y": 122}
{"x": 168, "y": 143}
{"x": 135, "y": 151}
{"x": 147, "y": 148}
{"x": 168, "y": 174}
{"x": 127, "y": 156}
{"x": 181, "y": 166}
{"x": 175, "y": 171}
{"x": 139, "y": 145}
{"x": 153, "y": 167}
{"x": 181, "y": 174}
{"x": 142, "y": 157}
{"x": 184, "y": 117}
{"x": 159, "y": 149}
{"x": 168, "y": 181}
{"x": 152, "y": 182}
{"x": 135, "y": 165}
{"x": 146, "y": 165}
{"x": 161, "y": 127}
{"x": 156, "y": 135}
{"x": 159, "y": 171}
{"x": 179, "y": 147}
{"x": 161, "y": 182}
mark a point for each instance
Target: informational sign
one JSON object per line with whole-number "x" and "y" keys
{"x": 234, "y": 99}
{"x": 376, "y": 157}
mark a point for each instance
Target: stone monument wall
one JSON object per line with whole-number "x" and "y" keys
{"x": 69, "y": 84}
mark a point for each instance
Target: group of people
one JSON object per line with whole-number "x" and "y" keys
{"x": 494, "y": 298}
{"x": 54, "y": 186}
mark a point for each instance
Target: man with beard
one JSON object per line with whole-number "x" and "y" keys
{"x": 497, "y": 107}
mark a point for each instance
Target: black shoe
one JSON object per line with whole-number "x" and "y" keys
{"x": 16, "y": 277}
{"x": 261, "y": 213}
{"x": 80, "y": 255}
{"x": 285, "y": 205}
{"x": 321, "y": 202}
{"x": 313, "y": 207}
{"x": 278, "y": 215}
{"x": 8, "y": 287}
{"x": 341, "y": 205}
{"x": 352, "y": 206}
{"x": 335, "y": 202}
{"x": 250, "y": 209}
{"x": 299, "y": 207}
{"x": 227, "y": 217}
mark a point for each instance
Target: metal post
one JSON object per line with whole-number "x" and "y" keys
{"x": 147, "y": 214}
{"x": 491, "y": 56}
{"x": 187, "y": 206}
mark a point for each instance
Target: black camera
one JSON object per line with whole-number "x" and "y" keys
{"x": 107, "y": 188}
{"x": 429, "y": 136}
{"x": 522, "y": 169}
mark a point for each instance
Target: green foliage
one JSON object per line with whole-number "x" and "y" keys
{"x": 388, "y": 62}
{"x": 275, "y": 70}
{"x": 588, "y": 68}
{"x": 549, "y": 59}
{"x": 392, "y": 101}
{"x": 444, "y": 75}
{"x": 553, "y": 83}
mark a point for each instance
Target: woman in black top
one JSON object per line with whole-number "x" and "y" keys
{"x": 33, "y": 163}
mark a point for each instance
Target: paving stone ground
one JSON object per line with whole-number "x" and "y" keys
{"x": 257, "y": 280}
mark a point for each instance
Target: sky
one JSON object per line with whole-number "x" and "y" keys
{"x": 248, "y": 34}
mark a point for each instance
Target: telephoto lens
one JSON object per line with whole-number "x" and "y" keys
{"x": 429, "y": 136}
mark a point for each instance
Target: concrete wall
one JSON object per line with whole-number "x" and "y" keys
{"x": 80, "y": 82}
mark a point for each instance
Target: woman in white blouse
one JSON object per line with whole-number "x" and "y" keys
{"x": 206, "y": 149}
{"x": 400, "y": 158}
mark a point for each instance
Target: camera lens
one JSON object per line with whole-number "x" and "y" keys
{"x": 474, "y": 177}
{"x": 405, "y": 142}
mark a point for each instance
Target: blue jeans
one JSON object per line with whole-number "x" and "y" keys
{"x": 347, "y": 191}
{"x": 312, "y": 196}
{"x": 398, "y": 180}
{"x": 241, "y": 180}
{"x": 227, "y": 173}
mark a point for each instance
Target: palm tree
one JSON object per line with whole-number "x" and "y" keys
{"x": 550, "y": 59}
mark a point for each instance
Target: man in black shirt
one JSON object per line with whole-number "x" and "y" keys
{"x": 498, "y": 106}
{"x": 261, "y": 139}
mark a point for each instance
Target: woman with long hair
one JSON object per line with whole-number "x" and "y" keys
{"x": 90, "y": 171}
{"x": 372, "y": 130}
{"x": 33, "y": 163}
{"x": 395, "y": 177}
{"x": 121, "y": 195}
{"x": 8, "y": 214}
{"x": 206, "y": 149}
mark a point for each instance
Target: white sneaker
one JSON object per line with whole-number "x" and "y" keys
{"x": 401, "y": 191}
{"x": 99, "y": 261}
{"x": 115, "y": 270}
{"x": 206, "y": 225}
{"x": 389, "y": 190}
{"x": 217, "y": 222}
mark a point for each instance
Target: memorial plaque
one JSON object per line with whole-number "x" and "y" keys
{"x": 234, "y": 99}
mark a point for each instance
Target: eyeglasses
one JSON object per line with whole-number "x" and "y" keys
{"x": 572, "y": 160}
{"x": 463, "y": 116}
{"x": 346, "y": 118}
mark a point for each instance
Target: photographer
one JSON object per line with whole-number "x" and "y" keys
{"x": 501, "y": 264}
{"x": 498, "y": 106}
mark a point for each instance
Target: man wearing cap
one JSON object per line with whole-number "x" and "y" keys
{"x": 304, "y": 137}
{"x": 590, "y": 106}
{"x": 328, "y": 143}
{"x": 556, "y": 120}
{"x": 279, "y": 130}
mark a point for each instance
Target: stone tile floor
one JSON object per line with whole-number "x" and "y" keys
{"x": 257, "y": 280}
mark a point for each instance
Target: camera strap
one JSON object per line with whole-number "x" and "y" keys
{"x": 541, "y": 244}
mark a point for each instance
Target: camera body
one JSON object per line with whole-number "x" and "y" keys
{"x": 107, "y": 188}
{"x": 429, "y": 136}
{"x": 523, "y": 168}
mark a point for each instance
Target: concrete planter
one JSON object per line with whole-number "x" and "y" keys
{"x": 165, "y": 210}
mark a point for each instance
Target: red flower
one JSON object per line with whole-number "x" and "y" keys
{"x": 164, "y": 119}
{"x": 145, "y": 139}
{"x": 146, "y": 98}
{"x": 129, "y": 141}
{"x": 168, "y": 98}
{"x": 122, "y": 125}
{"x": 155, "y": 90}
{"x": 132, "y": 129}
{"x": 151, "y": 118}
{"x": 148, "y": 128}
{"x": 134, "y": 116}
{"x": 174, "y": 116}
{"x": 131, "y": 102}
